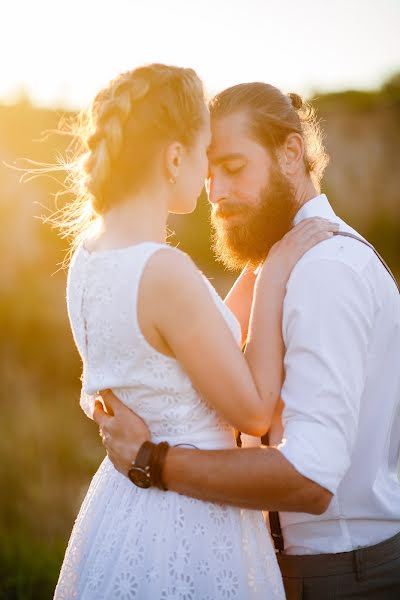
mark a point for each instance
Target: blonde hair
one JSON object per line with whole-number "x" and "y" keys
{"x": 273, "y": 116}
{"x": 118, "y": 137}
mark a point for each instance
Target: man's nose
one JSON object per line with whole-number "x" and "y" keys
{"x": 216, "y": 192}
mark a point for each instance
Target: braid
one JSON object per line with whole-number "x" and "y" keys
{"x": 111, "y": 110}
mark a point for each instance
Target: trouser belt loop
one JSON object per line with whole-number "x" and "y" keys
{"x": 359, "y": 565}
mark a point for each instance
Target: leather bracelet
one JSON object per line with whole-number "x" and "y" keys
{"x": 139, "y": 472}
{"x": 157, "y": 465}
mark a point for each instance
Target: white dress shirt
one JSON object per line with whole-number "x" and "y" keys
{"x": 341, "y": 327}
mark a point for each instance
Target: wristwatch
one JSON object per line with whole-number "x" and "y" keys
{"x": 139, "y": 473}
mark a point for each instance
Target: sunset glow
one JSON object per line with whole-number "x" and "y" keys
{"x": 61, "y": 52}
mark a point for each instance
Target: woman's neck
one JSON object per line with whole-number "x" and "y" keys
{"x": 139, "y": 218}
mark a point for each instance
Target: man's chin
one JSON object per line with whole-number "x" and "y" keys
{"x": 228, "y": 253}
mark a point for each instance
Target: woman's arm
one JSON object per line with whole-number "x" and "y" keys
{"x": 177, "y": 300}
{"x": 240, "y": 297}
{"x": 265, "y": 349}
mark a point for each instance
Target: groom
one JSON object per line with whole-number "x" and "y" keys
{"x": 333, "y": 477}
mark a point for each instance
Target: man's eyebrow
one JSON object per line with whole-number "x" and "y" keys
{"x": 225, "y": 157}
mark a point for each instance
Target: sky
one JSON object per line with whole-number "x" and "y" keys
{"x": 62, "y": 52}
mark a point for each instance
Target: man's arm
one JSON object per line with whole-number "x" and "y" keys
{"x": 327, "y": 323}
{"x": 257, "y": 478}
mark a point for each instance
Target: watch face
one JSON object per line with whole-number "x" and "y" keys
{"x": 139, "y": 477}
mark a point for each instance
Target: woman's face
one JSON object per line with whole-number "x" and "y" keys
{"x": 193, "y": 172}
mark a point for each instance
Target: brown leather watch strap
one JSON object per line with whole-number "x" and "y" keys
{"x": 149, "y": 462}
{"x": 139, "y": 473}
{"x": 157, "y": 465}
{"x": 143, "y": 457}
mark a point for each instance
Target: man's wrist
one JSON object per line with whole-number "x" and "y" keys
{"x": 147, "y": 468}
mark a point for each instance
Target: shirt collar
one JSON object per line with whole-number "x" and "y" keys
{"x": 316, "y": 207}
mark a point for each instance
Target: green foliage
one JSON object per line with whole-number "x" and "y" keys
{"x": 357, "y": 100}
{"x": 28, "y": 567}
{"x": 391, "y": 87}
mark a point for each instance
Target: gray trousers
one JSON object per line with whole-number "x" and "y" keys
{"x": 371, "y": 573}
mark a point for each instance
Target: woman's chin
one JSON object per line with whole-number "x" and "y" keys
{"x": 185, "y": 209}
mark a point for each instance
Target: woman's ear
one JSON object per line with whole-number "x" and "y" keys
{"x": 292, "y": 154}
{"x": 173, "y": 160}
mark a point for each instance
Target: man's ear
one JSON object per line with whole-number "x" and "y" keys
{"x": 292, "y": 154}
{"x": 173, "y": 159}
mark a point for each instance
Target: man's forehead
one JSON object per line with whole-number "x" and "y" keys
{"x": 229, "y": 136}
{"x": 231, "y": 125}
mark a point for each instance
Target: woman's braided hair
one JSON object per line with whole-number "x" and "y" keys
{"x": 111, "y": 109}
{"x": 119, "y": 136}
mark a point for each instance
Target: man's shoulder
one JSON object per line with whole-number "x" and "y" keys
{"x": 338, "y": 249}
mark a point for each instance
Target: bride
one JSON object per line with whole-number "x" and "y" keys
{"x": 171, "y": 352}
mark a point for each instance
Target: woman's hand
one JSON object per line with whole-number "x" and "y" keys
{"x": 284, "y": 255}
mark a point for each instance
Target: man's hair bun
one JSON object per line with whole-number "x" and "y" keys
{"x": 297, "y": 101}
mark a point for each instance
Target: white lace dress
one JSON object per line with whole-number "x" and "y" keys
{"x": 134, "y": 544}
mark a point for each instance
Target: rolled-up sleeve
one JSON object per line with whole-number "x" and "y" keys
{"x": 327, "y": 320}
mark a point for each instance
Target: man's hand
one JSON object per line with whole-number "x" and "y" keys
{"x": 122, "y": 431}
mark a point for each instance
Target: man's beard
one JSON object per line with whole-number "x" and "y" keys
{"x": 263, "y": 225}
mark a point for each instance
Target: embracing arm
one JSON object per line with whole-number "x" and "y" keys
{"x": 240, "y": 297}
{"x": 198, "y": 336}
{"x": 245, "y": 298}
{"x": 256, "y": 478}
{"x": 327, "y": 325}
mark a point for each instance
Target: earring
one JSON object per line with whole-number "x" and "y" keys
{"x": 172, "y": 179}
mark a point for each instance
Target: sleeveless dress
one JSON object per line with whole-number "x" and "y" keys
{"x": 129, "y": 543}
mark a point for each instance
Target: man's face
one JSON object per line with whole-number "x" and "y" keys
{"x": 252, "y": 203}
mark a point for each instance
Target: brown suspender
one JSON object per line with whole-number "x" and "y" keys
{"x": 355, "y": 237}
{"x": 274, "y": 520}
